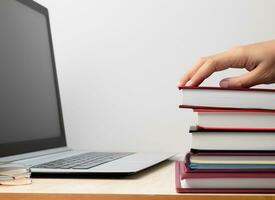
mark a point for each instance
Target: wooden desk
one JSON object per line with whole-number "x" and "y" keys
{"x": 157, "y": 183}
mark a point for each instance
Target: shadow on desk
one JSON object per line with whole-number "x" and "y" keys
{"x": 137, "y": 175}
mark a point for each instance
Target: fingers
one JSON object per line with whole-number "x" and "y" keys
{"x": 207, "y": 66}
{"x": 255, "y": 58}
{"x": 212, "y": 64}
{"x": 244, "y": 81}
{"x": 188, "y": 75}
{"x": 234, "y": 58}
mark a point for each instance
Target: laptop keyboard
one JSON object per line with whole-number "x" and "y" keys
{"x": 82, "y": 161}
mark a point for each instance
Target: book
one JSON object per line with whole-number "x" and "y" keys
{"x": 233, "y": 149}
{"x": 230, "y": 162}
{"x": 14, "y": 173}
{"x": 230, "y": 153}
{"x": 227, "y": 140}
{"x": 234, "y": 119}
{"x": 15, "y": 182}
{"x": 223, "y": 182}
{"x": 216, "y": 97}
{"x": 14, "y": 177}
{"x": 9, "y": 171}
{"x": 253, "y": 160}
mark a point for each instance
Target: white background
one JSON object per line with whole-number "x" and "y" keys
{"x": 118, "y": 63}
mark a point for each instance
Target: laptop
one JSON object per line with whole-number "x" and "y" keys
{"x": 32, "y": 128}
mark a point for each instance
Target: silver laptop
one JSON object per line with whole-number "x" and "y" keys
{"x": 31, "y": 123}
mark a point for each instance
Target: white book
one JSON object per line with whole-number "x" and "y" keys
{"x": 232, "y": 140}
{"x": 265, "y": 160}
{"x": 13, "y": 171}
{"x": 14, "y": 182}
{"x": 215, "y": 97}
{"x": 235, "y": 119}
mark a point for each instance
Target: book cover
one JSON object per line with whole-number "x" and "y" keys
{"x": 179, "y": 170}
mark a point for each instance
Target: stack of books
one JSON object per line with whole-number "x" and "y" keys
{"x": 233, "y": 142}
{"x": 14, "y": 174}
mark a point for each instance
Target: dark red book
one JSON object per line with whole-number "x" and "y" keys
{"x": 223, "y": 182}
{"x": 235, "y": 119}
{"x": 226, "y": 98}
{"x": 230, "y": 153}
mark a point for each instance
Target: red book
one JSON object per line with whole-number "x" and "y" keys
{"x": 223, "y": 182}
{"x": 235, "y": 119}
{"x": 216, "y": 97}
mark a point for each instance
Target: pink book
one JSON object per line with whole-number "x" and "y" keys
{"x": 223, "y": 180}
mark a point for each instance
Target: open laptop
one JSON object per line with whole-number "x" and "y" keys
{"x": 31, "y": 124}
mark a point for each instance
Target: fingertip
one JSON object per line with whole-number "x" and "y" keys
{"x": 179, "y": 84}
{"x": 188, "y": 83}
{"x": 182, "y": 82}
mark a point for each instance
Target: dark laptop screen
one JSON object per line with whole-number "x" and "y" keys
{"x": 30, "y": 113}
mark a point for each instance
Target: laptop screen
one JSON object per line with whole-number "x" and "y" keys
{"x": 30, "y": 112}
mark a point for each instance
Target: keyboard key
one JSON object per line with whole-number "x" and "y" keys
{"x": 82, "y": 161}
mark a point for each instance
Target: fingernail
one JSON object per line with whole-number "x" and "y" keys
{"x": 189, "y": 83}
{"x": 224, "y": 84}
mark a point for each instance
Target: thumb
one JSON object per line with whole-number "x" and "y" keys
{"x": 244, "y": 81}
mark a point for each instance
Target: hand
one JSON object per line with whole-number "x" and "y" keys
{"x": 258, "y": 59}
